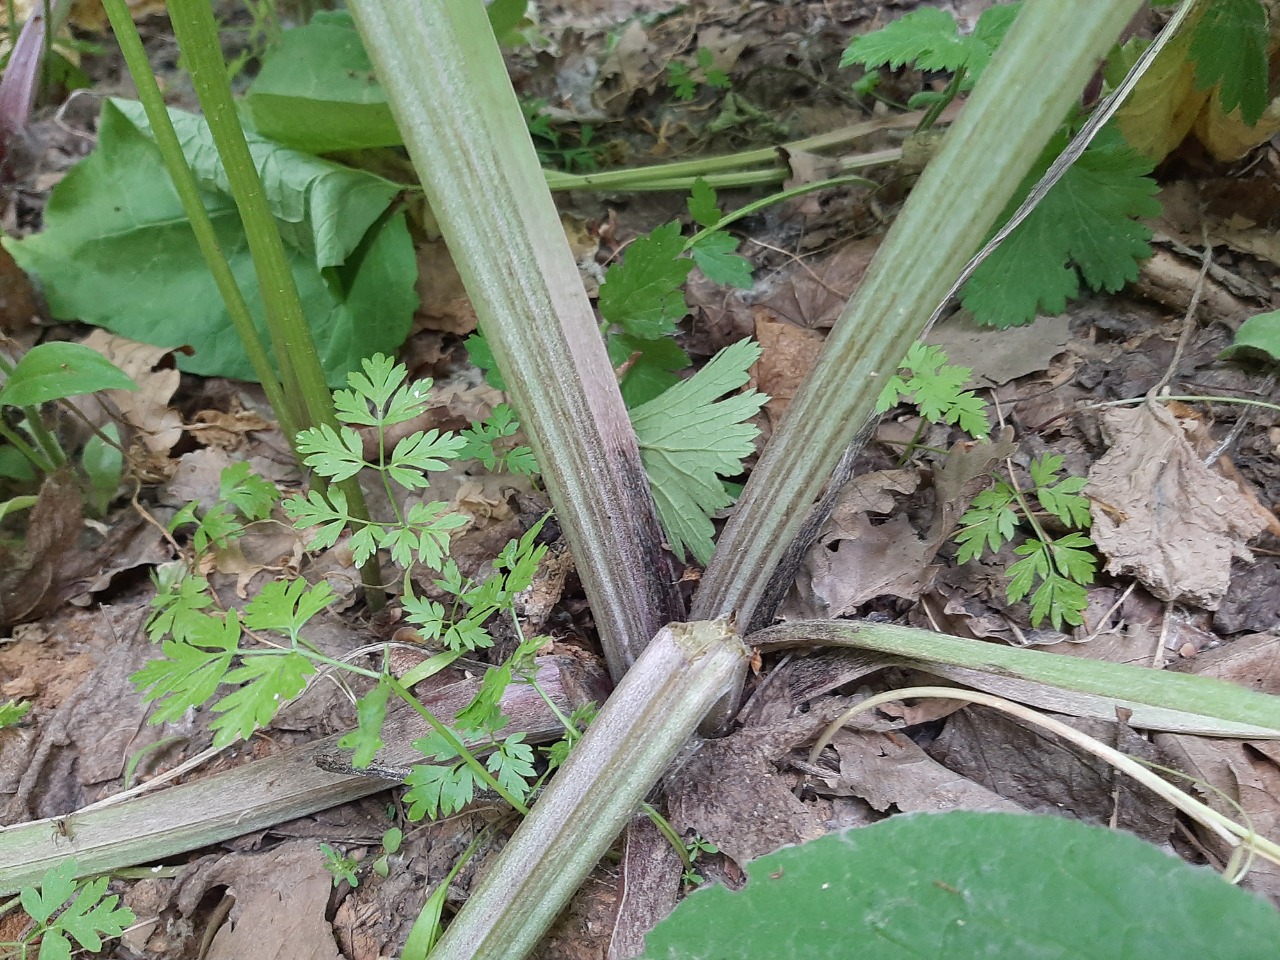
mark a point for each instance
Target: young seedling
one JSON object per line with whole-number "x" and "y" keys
{"x": 1059, "y": 568}
{"x": 684, "y": 79}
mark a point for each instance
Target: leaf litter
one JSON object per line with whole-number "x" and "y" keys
{"x": 1188, "y": 554}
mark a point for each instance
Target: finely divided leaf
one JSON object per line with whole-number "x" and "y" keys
{"x": 269, "y": 681}
{"x": 689, "y": 440}
{"x": 1229, "y": 47}
{"x": 929, "y": 39}
{"x": 1085, "y": 222}
{"x": 190, "y": 670}
{"x": 336, "y": 454}
{"x": 249, "y": 493}
{"x": 926, "y": 37}
{"x": 285, "y": 606}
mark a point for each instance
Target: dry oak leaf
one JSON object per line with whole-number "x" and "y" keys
{"x": 1160, "y": 515}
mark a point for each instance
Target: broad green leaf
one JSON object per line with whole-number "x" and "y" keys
{"x": 323, "y": 209}
{"x": 971, "y": 886}
{"x": 54, "y": 371}
{"x": 118, "y": 252}
{"x": 1229, "y": 47}
{"x": 317, "y": 91}
{"x": 1085, "y": 223}
{"x": 689, "y": 440}
{"x": 506, "y": 17}
{"x": 1260, "y": 333}
{"x": 644, "y": 294}
{"x": 17, "y": 503}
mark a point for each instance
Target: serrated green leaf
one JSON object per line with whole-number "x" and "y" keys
{"x": 1229, "y": 47}
{"x": 702, "y": 204}
{"x": 249, "y": 493}
{"x": 484, "y": 712}
{"x": 1072, "y": 554}
{"x": 644, "y": 294}
{"x": 1034, "y": 565}
{"x": 927, "y": 37}
{"x": 56, "y": 888}
{"x": 12, "y": 712}
{"x": 365, "y": 541}
{"x": 1044, "y": 469}
{"x": 267, "y": 682}
{"x": 191, "y": 669}
{"x": 716, "y": 255}
{"x": 218, "y": 527}
{"x": 424, "y": 452}
{"x": 989, "y": 523}
{"x": 315, "y": 510}
{"x": 1060, "y": 601}
{"x": 1083, "y": 223}
{"x": 285, "y": 606}
{"x": 512, "y": 765}
{"x": 114, "y": 225}
{"x": 1064, "y": 502}
{"x": 336, "y": 454}
{"x": 652, "y": 365}
{"x": 377, "y": 379}
{"x": 56, "y": 370}
{"x": 689, "y": 440}
{"x": 175, "y": 605}
{"x": 90, "y": 917}
{"x": 438, "y": 791}
{"x": 433, "y": 524}
{"x": 366, "y": 739}
{"x": 680, "y": 80}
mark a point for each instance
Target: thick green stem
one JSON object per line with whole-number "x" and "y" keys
{"x": 767, "y": 161}
{"x": 188, "y": 190}
{"x": 650, "y": 715}
{"x": 1157, "y": 699}
{"x": 305, "y": 392}
{"x": 44, "y": 439}
{"x": 295, "y": 352}
{"x": 449, "y": 91}
{"x": 38, "y": 459}
{"x": 1044, "y": 62}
